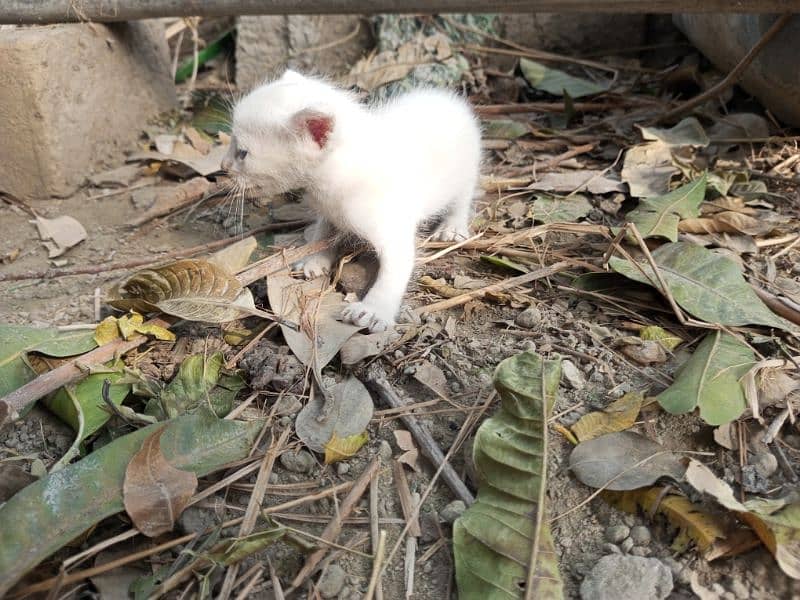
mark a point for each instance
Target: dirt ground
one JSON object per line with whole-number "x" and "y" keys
{"x": 466, "y": 345}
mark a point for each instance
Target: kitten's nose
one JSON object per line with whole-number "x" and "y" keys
{"x": 226, "y": 164}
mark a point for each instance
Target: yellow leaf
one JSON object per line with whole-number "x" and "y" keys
{"x": 713, "y": 534}
{"x": 111, "y": 328}
{"x": 617, "y": 416}
{"x": 343, "y": 448}
{"x": 106, "y": 331}
{"x": 660, "y": 335}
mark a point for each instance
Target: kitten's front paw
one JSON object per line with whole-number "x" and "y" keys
{"x": 315, "y": 265}
{"x": 367, "y": 315}
{"x": 446, "y": 234}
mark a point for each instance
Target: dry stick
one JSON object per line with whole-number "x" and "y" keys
{"x": 411, "y": 550}
{"x": 282, "y": 260}
{"x": 406, "y": 500}
{"x": 245, "y": 593}
{"x": 374, "y": 588}
{"x": 378, "y": 541}
{"x": 495, "y": 287}
{"x": 777, "y": 305}
{"x": 428, "y": 446}
{"x": 333, "y": 528}
{"x": 194, "y": 190}
{"x": 572, "y": 153}
{"x": 256, "y": 498}
{"x": 732, "y": 77}
{"x": 68, "y": 372}
{"x": 150, "y": 260}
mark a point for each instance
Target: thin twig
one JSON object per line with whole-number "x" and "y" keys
{"x": 732, "y": 77}
{"x": 378, "y": 541}
{"x": 375, "y": 577}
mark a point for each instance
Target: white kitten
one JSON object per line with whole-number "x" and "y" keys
{"x": 376, "y": 172}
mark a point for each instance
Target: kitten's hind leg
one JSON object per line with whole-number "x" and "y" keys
{"x": 320, "y": 263}
{"x": 455, "y": 224}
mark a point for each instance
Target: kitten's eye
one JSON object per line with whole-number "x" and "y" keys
{"x": 241, "y": 154}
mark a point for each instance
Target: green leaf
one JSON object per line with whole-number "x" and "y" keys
{"x": 705, "y": 284}
{"x": 17, "y": 340}
{"x": 200, "y": 381}
{"x": 499, "y": 261}
{"x": 81, "y": 406}
{"x": 231, "y": 551}
{"x": 557, "y": 82}
{"x": 689, "y": 132}
{"x": 492, "y": 540}
{"x": 710, "y": 380}
{"x": 552, "y": 209}
{"x": 505, "y": 129}
{"x": 659, "y": 216}
{"x": 47, "y": 514}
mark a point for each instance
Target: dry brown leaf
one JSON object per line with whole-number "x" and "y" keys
{"x": 154, "y": 492}
{"x": 439, "y": 287}
{"x": 431, "y": 377}
{"x": 645, "y": 352}
{"x": 406, "y": 443}
{"x": 617, "y": 416}
{"x": 59, "y": 234}
{"x": 730, "y": 222}
{"x": 235, "y": 257}
{"x": 193, "y": 289}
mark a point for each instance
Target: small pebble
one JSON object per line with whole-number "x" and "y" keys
{"x": 385, "y": 451}
{"x": 626, "y": 546}
{"x": 680, "y": 572}
{"x": 573, "y": 375}
{"x": 617, "y": 533}
{"x": 640, "y": 535}
{"x": 609, "y": 548}
{"x": 739, "y": 590}
{"x": 299, "y": 462}
{"x": 342, "y": 468}
{"x": 332, "y": 581}
{"x": 640, "y": 551}
{"x": 529, "y": 318}
{"x": 452, "y": 511}
{"x": 765, "y": 463}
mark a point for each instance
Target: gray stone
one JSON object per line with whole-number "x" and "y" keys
{"x": 299, "y": 462}
{"x": 619, "y": 577}
{"x": 765, "y": 463}
{"x": 332, "y": 581}
{"x": 641, "y": 535}
{"x": 197, "y": 520}
{"x": 452, "y": 511}
{"x": 266, "y": 45}
{"x": 385, "y": 450}
{"x": 639, "y": 551}
{"x": 342, "y": 469}
{"x": 529, "y": 318}
{"x": 73, "y": 96}
{"x": 626, "y": 546}
{"x": 609, "y": 548}
{"x": 616, "y": 533}
{"x": 573, "y": 375}
{"x": 680, "y": 572}
{"x": 429, "y": 526}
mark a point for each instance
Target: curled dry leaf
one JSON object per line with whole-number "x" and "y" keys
{"x": 126, "y": 326}
{"x": 644, "y": 352}
{"x": 586, "y": 180}
{"x": 617, "y": 416}
{"x": 648, "y": 169}
{"x": 623, "y": 461}
{"x": 710, "y": 532}
{"x": 688, "y": 132}
{"x": 776, "y": 522}
{"x": 192, "y": 289}
{"x": 235, "y": 257}
{"x": 767, "y": 383}
{"x": 733, "y": 222}
{"x": 658, "y": 334}
{"x": 155, "y": 492}
{"x": 317, "y": 309}
{"x": 406, "y": 443}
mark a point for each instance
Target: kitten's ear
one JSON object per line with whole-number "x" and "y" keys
{"x": 314, "y": 123}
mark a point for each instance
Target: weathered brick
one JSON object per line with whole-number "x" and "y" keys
{"x": 74, "y": 95}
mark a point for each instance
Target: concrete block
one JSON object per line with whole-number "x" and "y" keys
{"x": 74, "y": 95}
{"x": 323, "y": 44}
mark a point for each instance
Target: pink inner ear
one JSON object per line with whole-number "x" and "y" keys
{"x": 320, "y": 129}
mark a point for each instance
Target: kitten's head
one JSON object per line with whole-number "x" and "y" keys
{"x": 281, "y": 131}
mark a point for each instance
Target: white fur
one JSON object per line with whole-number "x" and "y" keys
{"x": 382, "y": 171}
